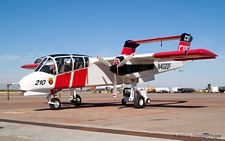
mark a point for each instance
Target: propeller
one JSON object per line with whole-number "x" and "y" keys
{"x": 105, "y": 62}
{"x": 125, "y": 60}
{"x": 114, "y": 86}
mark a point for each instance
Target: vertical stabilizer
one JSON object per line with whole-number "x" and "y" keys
{"x": 185, "y": 42}
{"x": 129, "y": 48}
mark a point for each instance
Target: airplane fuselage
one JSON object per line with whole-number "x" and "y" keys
{"x": 90, "y": 74}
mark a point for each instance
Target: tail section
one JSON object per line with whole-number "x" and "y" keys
{"x": 129, "y": 48}
{"x": 185, "y": 42}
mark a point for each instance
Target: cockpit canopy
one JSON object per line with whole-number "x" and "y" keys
{"x": 62, "y": 63}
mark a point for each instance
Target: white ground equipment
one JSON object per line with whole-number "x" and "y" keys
{"x": 139, "y": 97}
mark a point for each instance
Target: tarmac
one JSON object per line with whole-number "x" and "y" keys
{"x": 187, "y": 117}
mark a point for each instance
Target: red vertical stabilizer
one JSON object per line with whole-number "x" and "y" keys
{"x": 185, "y": 42}
{"x": 129, "y": 48}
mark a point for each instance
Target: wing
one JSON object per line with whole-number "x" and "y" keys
{"x": 194, "y": 54}
{"x": 143, "y": 58}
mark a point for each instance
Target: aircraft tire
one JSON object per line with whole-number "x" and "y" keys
{"x": 57, "y": 104}
{"x": 77, "y": 101}
{"x": 139, "y": 102}
{"x": 123, "y": 102}
{"x": 148, "y": 101}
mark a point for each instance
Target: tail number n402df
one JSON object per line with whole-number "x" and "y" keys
{"x": 164, "y": 65}
{"x": 40, "y": 82}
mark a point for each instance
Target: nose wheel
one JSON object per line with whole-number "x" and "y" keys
{"x": 54, "y": 104}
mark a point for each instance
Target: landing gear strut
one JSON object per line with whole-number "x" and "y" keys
{"x": 75, "y": 99}
{"x": 54, "y": 103}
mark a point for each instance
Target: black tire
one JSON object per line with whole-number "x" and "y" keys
{"x": 148, "y": 101}
{"x": 57, "y": 104}
{"x": 77, "y": 101}
{"x": 123, "y": 102}
{"x": 139, "y": 102}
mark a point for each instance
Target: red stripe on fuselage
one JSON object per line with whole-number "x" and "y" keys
{"x": 79, "y": 78}
{"x": 63, "y": 81}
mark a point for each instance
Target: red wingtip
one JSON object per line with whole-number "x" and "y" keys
{"x": 29, "y": 66}
{"x": 194, "y": 54}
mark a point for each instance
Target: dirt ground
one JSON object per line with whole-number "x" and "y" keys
{"x": 194, "y": 116}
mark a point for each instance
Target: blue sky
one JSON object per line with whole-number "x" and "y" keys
{"x": 33, "y": 28}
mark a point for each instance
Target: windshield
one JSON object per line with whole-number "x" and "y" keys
{"x": 39, "y": 66}
{"x": 49, "y": 67}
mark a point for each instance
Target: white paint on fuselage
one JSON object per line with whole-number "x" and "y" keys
{"x": 100, "y": 75}
{"x": 37, "y": 81}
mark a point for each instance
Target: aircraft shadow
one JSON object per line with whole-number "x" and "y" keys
{"x": 68, "y": 105}
{"x": 172, "y": 104}
{"x": 162, "y": 104}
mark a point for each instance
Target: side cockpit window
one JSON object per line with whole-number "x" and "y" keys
{"x": 78, "y": 63}
{"x": 64, "y": 64}
{"x": 38, "y": 61}
{"x": 86, "y": 61}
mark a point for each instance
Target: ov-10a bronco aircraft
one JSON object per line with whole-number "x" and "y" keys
{"x": 70, "y": 71}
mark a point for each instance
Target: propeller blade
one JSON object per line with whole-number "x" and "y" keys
{"x": 125, "y": 60}
{"x": 104, "y": 61}
{"x": 114, "y": 86}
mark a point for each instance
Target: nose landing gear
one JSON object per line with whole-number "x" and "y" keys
{"x": 55, "y": 103}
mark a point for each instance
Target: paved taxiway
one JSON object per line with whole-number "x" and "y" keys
{"x": 193, "y": 116}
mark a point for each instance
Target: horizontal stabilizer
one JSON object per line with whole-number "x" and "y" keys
{"x": 131, "y": 45}
{"x": 159, "y": 39}
{"x": 194, "y": 54}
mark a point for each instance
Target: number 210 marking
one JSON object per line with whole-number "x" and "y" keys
{"x": 40, "y": 82}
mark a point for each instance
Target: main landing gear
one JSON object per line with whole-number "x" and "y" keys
{"x": 55, "y": 104}
{"x": 139, "y": 97}
{"x": 75, "y": 100}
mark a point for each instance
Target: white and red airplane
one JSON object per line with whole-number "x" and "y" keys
{"x": 62, "y": 71}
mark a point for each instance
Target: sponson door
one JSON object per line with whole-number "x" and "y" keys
{"x": 80, "y": 71}
{"x": 65, "y": 72}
